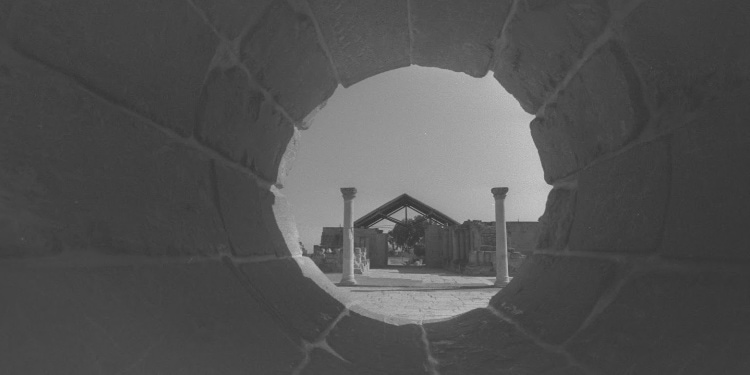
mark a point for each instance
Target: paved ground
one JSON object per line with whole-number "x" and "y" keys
{"x": 419, "y": 293}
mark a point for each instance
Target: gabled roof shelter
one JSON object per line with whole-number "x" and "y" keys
{"x": 404, "y": 201}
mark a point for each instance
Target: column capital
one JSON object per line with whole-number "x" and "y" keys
{"x": 499, "y": 192}
{"x": 348, "y": 192}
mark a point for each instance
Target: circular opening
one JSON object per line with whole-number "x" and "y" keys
{"x": 443, "y": 138}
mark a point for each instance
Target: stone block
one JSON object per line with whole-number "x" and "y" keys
{"x": 622, "y": 201}
{"x": 283, "y": 54}
{"x": 553, "y": 295}
{"x": 278, "y": 213}
{"x": 257, "y": 220}
{"x": 148, "y": 56}
{"x": 688, "y": 51}
{"x": 456, "y": 35}
{"x": 364, "y": 37}
{"x": 544, "y": 39}
{"x": 6, "y": 7}
{"x": 379, "y": 346}
{"x": 232, "y": 18}
{"x": 670, "y": 323}
{"x": 478, "y": 343}
{"x": 323, "y": 362}
{"x": 288, "y": 156}
{"x": 567, "y": 370}
{"x": 709, "y": 205}
{"x": 599, "y": 111}
{"x": 240, "y": 124}
{"x": 295, "y": 292}
{"x": 557, "y": 219}
{"x": 137, "y": 319}
{"x": 77, "y": 173}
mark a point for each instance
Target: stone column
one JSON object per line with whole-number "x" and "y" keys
{"x": 347, "y": 276}
{"x": 501, "y": 238}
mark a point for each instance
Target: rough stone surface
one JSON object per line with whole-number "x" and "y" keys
{"x": 323, "y": 362}
{"x": 6, "y": 7}
{"x": 480, "y": 343}
{"x": 688, "y": 51}
{"x": 288, "y": 158}
{"x": 155, "y": 68}
{"x": 709, "y": 206}
{"x": 168, "y": 319}
{"x": 291, "y": 291}
{"x": 283, "y": 54}
{"x": 379, "y": 346}
{"x": 553, "y": 295}
{"x": 622, "y": 201}
{"x": 364, "y": 37}
{"x": 568, "y": 370}
{"x": 77, "y": 173}
{"x": 242, "y": 205}
{"x": 452, "y": 35}
{"x": 543, "y": 40}
{"x": 599, "y": 111}
{"x": 240, "y": 124}
{"x": 557, "y": 219}
{"x": 232, "y": 18}
{"x": 279, "y": 219}
{"x": 690, "y": 323}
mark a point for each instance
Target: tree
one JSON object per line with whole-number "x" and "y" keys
{"x": 410, "y": 235}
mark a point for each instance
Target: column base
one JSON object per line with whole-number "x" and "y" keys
{"x": 501, "y": 282}
{"x": 348, "y": 281}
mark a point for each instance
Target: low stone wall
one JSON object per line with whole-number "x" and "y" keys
{"x": 470, "y": 247}
{"x": 331, "y": 260}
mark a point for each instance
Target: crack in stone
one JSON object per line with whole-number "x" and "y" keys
{"x": 411, "y": 32}
{"x": 189, "y": 142}
{"x": 625, "y": 8}
{"x": 601, "y": 40}
{"x": 604, "y": 301}
{"x": 432, "y": 363}
{"x": 322, "y": 41}
{"x": 557, "y": 349}
{"x": 216, "y": 196}
{"x": 321, "y": 343}
{"x": 234, "y": 57}
{"x": 286, "y": 329}
{"x": 143, "y": 356}
{"x": 306, "y": 349}
{"x": 605, "y": 36}
{"x": 502, "y": 38}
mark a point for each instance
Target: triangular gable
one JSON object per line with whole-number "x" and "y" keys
{"x": 385, "y": 211}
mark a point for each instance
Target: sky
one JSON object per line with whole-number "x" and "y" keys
{"x": 444, "y": 138}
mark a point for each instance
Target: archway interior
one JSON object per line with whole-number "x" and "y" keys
{"x": 442, "y": 137}
{"x": 142, "y": 230}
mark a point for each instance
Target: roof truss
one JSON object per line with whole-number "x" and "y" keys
{"x": 403, "y": 201}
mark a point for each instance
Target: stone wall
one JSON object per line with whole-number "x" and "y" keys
{"x": 474, "y": 250}
{"x": 435, "y": 238}
{"x": 143, "y": 146}
{"x": 373, "y": 240}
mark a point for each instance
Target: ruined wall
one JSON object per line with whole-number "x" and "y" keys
{"x": 434, "y": 245}
{"x": 374, "y": 241}
{"x": 473, "y": 253}
{"x": 143, "y": 145}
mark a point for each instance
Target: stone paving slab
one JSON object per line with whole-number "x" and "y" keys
{"x": 419, "y": 294}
